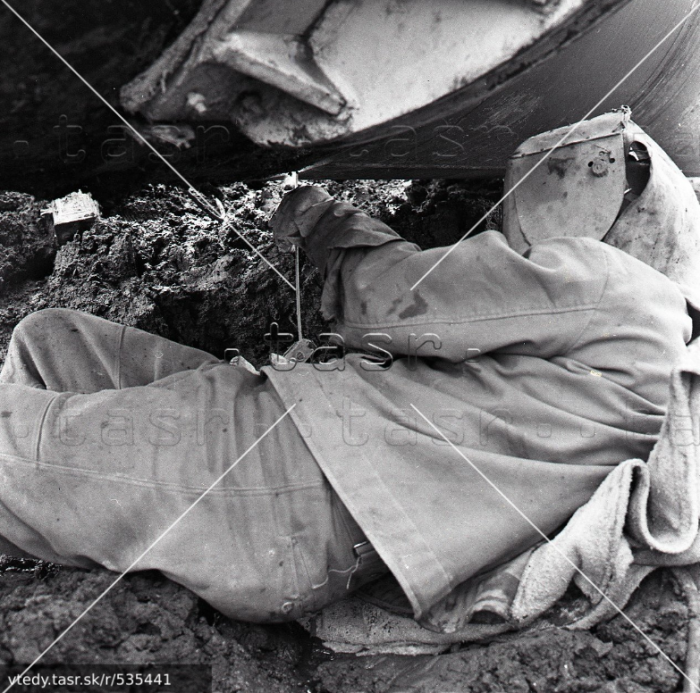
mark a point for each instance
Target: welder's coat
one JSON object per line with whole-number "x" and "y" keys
{"x": 551, "y": 369}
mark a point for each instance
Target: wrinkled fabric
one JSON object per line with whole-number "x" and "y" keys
{"x": 544, "y": 371}
{"x": 643, "y": 516}
{"x": 662, "y": 226}
{"x": 125, "y": 450}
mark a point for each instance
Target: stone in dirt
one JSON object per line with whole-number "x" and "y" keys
{"x": 75, "y": 212}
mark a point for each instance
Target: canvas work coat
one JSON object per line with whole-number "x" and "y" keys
{"x": 518, "y": 382}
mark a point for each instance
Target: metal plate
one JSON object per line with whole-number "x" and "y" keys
{"x": 575, "y": 191}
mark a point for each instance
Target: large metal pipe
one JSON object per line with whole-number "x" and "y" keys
{"x": 463, "y": 136}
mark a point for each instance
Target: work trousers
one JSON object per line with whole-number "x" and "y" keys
{"x": 109, "y": 435}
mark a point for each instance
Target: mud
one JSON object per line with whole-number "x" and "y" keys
{"x": 156, "y": 262}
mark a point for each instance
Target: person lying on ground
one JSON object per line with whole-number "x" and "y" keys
{"x": 296, "y": 485}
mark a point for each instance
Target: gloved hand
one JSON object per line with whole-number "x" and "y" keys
{"x": 297, "y": 215}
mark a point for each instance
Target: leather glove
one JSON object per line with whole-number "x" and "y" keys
{"x": 297, "y": 215}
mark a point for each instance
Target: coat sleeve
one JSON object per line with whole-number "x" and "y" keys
{"x": 459, "y": 301}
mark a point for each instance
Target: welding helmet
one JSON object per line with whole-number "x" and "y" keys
{"x": 606, "y": 179}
